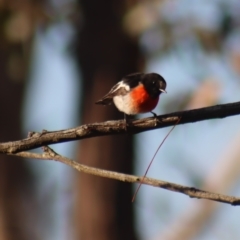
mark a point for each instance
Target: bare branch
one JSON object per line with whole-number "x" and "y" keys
{"x": 49, "y": 154}
{"x": 36, "y": 140}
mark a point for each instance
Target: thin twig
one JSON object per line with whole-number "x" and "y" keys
{"x": 49, "y": 154}
{"x": 155, "y": 154}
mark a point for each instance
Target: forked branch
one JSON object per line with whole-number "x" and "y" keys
{"x": 36, "y": 140}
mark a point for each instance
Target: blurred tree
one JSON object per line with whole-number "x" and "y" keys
{"x": 17, "y": 21}
{"x": 12, "y": 171}
{"x": 106, "y": 53}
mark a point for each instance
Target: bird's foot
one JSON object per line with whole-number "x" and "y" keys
{"x": 127, "y": 122}
{"x": 156, "y": 119}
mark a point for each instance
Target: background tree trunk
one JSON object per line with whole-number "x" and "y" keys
{"x": 14, "y": 176}
{"x": 17, "y": 24}
{"x": 106, "y": 54}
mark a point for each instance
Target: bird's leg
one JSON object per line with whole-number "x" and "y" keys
{"x": 154, "y": 114}
{"x": 126, "y": 121}
{"x": 126, "y": 118}
{"x": 156, "y": 119}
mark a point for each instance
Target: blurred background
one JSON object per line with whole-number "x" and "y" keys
{"x": 58, "y": 57}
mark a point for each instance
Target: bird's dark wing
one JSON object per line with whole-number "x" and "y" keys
{"x": 121, "y": 88}
{"x": 132, "y": 80}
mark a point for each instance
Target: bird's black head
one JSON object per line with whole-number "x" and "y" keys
{"x": 154, "y": 84}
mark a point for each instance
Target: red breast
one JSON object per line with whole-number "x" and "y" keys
{"x": 141, "y": 100}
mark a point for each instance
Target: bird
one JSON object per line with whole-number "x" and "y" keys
{"x": 136, "y": 93}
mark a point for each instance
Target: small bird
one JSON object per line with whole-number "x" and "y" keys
{"x": 136, "y": 93}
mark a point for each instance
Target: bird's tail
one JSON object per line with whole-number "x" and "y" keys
{"x": 104, "y": 101}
